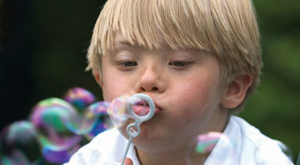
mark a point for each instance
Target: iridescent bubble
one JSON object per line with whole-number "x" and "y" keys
{"x": 50, "y": 117}
{"x": 215, "y": 143}
{"x": 15, "y": 158}
{"x": 59, "y": 157}
{"x": 207, "y": 142}
{"x": 117, "y": 111}
{"x": 79, "y": 98}
{"x": 93, "y": 119}
{"x": 19, "y": 144}
{"x": 103, "y": 121}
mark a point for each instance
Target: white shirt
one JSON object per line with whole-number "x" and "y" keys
{"x": 246, "y": 146}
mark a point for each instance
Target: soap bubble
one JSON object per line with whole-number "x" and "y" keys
{"x": 19, "y": 144}
{"x": 215, "y": 143}
{"x": 59, "y": 157}
{"x": 207, "y": 142}
{"x": 50, "y": 117}
{"x": 16, "y": 157}
{"x": 79, "y": 98}
{"x": 90, "y": 118}
{"x": 93, "y": 120}
{"x": 117, "y": 111}
{"x": 103, "y": 121}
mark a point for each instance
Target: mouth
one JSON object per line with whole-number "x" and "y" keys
{"x": 142, "y": 108}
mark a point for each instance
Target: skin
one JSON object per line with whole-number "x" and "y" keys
{"x": 127, "y": 161}
{"x": 186, "y": 89}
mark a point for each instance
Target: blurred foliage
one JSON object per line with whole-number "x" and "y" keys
{"x": 275, "y": 109}
{"x": 62, "y": 31}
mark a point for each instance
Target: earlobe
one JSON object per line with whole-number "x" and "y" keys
{"x": 236, "y": 91}
{"x": 97, "y": 76}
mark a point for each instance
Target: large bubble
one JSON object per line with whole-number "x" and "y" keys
{"x": 79, "y": 98}
{"x": 50, "y": 117}
{"x": 90, "y": 118}
{"x": 61, "y": 156}
{"x": 117, "y": 111}
{"x": 19, "y": 144}
{"x": 102, "y": 122}
{"x": 16, "y": 157}
{"x": 91, "y": 121}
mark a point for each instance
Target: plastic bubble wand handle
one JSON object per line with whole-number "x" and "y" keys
{"x": 133, "y": 129}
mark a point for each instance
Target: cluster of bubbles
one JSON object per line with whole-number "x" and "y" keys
{"x": 57, "y": 127}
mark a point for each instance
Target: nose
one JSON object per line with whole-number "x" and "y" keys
{"x": 151, "y": 80}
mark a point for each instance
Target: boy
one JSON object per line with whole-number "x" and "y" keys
{"x": 199, "y": 60}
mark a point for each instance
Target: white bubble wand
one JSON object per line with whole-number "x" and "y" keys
{"x": 133, "y": 130}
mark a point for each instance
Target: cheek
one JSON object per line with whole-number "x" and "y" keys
{"x": 114, "y": 86}
{"x": 195, "y": 90}
{"x": 110, "y": 89}
{"x": 197, "y": 96}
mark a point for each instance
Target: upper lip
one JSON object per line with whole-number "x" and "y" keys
{"x": 146, "y": 104}
{"x": 157, "y": 106}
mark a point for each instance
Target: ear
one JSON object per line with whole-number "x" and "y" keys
{"x": 236, "y": 91}
{"x": 97, "y": 76}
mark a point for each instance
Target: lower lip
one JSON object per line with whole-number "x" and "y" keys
{"x": 143, "y": 110}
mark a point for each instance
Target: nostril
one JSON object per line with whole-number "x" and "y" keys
{"x": 154, "y": 88}
{"x": 150, "y": 89}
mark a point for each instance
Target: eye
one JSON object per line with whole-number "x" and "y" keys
{"x": 126, "y": 65}
{"x": 129, "y": 63}
{"x": 179, "y": 63}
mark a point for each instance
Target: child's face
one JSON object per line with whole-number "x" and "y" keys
{"x": 184, "y": 85}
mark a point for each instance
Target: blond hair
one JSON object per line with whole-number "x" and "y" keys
{"x": 228, "y": 28}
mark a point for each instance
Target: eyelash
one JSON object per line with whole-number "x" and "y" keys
{"x": 179, "y": 63}
{"x": 129, "y": 63}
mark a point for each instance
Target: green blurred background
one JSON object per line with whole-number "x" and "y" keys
{"x": 43, "y": 46}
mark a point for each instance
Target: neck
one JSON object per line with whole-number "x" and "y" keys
{"x": 182, "y": 156}
{"x": 179, "y": 155}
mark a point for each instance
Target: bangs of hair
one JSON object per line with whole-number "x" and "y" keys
{"x": 213, "y": 26}
{"x": 182, "y": 24}
{"x": 227, "y": 28}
